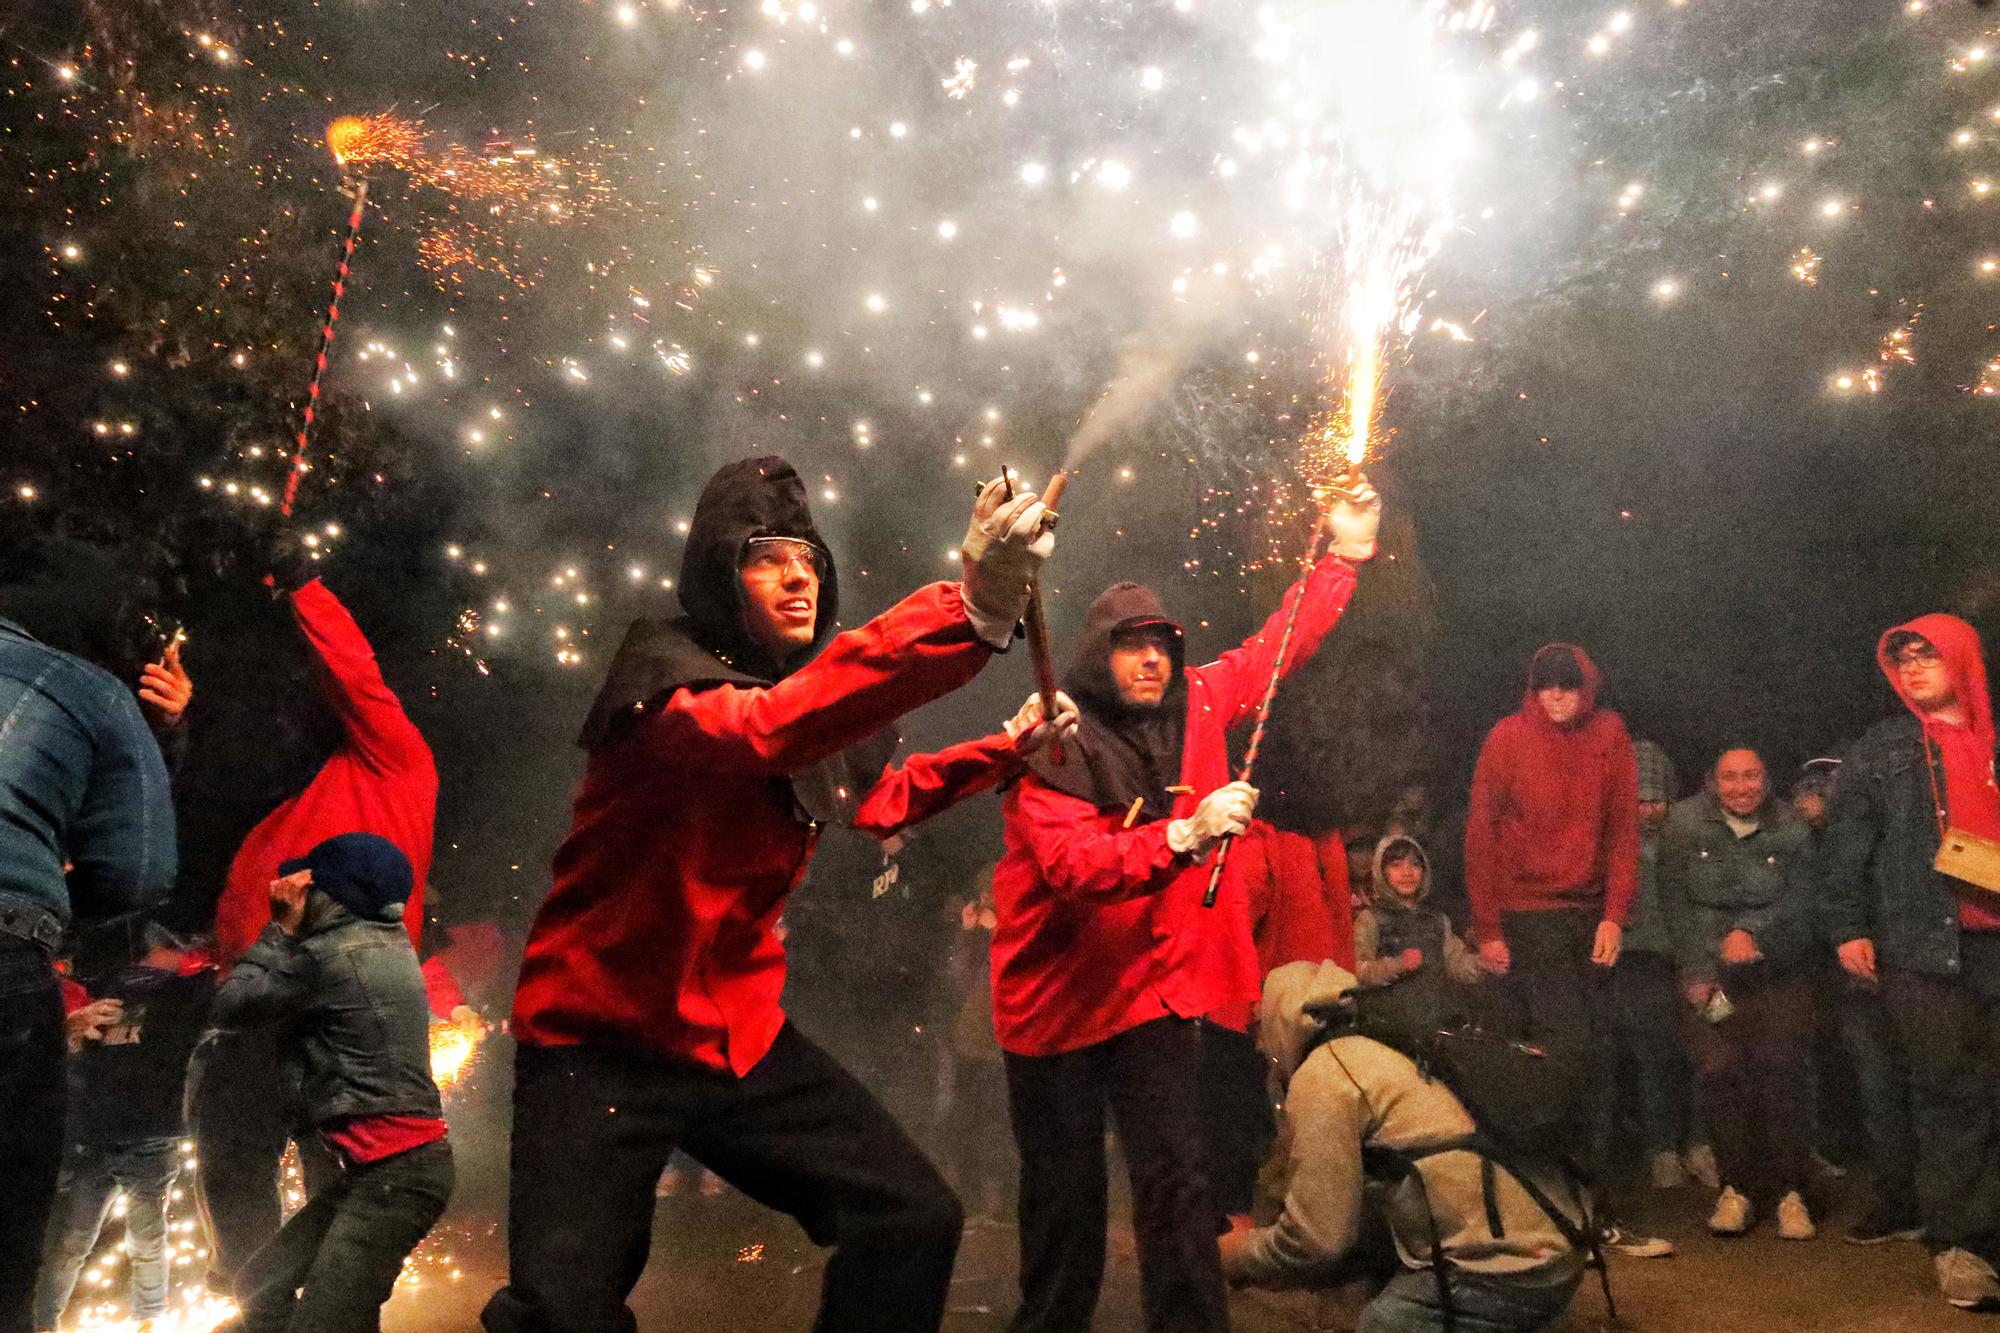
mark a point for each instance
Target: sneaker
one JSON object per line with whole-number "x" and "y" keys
{"x": 1966, "y": 1280}
{"x": 711, "y": 1184}
{"x": 1794, "y": 1221}
{"x": 1885, "y": 1222}
{"x": 1700, "y": 1163}
{"x": 1668, "y": 1173}
{"x": 1827, "y": 1167}
{"x": 1732, "y": 1214}
{"x": 1625, "y": 1241}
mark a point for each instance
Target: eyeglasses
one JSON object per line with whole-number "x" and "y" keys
{"x": 774, "y": 557}
{"x": 1921, "y": 655}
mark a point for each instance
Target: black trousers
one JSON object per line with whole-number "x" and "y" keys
{"x": 1950, "y": 1029}
{"x": 593, "y": 1128}
{"x": 1150, "y": 1078}
{"x": 346, "y": 1247}
{"x": 1241, "y": 1124}
{"x": 243, "y": 1107}
{"x": 1756, "y": 1074}
{"x": 1554, "y": 997}
{"x": 31, "y": 1120}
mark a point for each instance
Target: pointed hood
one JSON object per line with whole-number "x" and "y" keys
{"x": 1548, "y": 657}
{"x": 1958, "y": 643}
{"x": 710, "y": 643}
{"x": 1379, "y": 892}
{"x": 1298, "y": 999}
{"x": 1120, "y": 754}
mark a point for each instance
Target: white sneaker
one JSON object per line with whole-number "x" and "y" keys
{"x": 1668, "y": 1174}
{"x": 1700, "y": 1163}
{"x": 1966, "y": 1280}
{"x": 1794, "y": 1222}
{"x": 1732, "y": 1214}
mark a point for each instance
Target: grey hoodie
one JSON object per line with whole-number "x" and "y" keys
{"x": 1378, "y": 941}
{"x": 1352, "y": 1093}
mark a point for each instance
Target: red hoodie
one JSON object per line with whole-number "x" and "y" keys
{"x": 381, "y": 780}
{"x": 1555, "y": 813}
{"x": 1971, "y": 801}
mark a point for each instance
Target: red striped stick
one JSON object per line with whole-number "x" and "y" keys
{"x": 304, "y": 437}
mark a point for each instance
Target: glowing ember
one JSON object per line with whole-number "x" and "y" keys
{"x": 452, "y": 1049}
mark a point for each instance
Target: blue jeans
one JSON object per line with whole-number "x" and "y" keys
{"x": 92, "y": 1176}
{"x": 1409, "y": 1304}
{"x": 1883, "y": 1081}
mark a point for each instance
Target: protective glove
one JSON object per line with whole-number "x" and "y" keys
{"x": 1353, "y": 518}
{"x": 1003, "y": 551}
{"x": 1025, "y": 728}
{"x": 1222, "y": 813}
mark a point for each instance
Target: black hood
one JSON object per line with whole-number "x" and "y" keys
{"x": 1120, "y": 754}
{"x": 709, "y": 643}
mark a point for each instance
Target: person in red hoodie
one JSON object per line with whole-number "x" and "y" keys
{"x": 1104, "y": 960}
{"x": 243, "y": 1107}
{"x": 1927, "y": 937}
{"x": 1551, "y": 868}
{"x": 648, "y": 1013}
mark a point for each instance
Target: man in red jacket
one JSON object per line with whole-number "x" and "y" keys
{"x": 1551, "y": 868}
{"x": 243, "y": 1106}
{"x": 648, "y": 1007}
{"x": 1104, "y": 959}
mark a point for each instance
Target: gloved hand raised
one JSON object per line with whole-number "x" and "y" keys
{"x": 1222, "y": 813}
{"x": 1353, "y": 516}
{"x": 1003, "y": 550}
{"x": 1026, "y": 727}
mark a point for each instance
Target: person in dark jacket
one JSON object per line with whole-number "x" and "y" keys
{"x": 648, "y": 1013}
{"x": 86, "y": 832}
{"x": 1735, "y": 867}
{"x": 1551, "y": 868}
{"x": 1410, "y": 961}
{"x": 1929, "y": 939}
{"x": 125, "y": 1121}
{"x": 1105, "y": 962}
{"x": 335, "y": 975}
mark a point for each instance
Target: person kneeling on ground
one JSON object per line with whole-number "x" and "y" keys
{"x": 1346, "y": 1094}
{"x": 336, "y": 973}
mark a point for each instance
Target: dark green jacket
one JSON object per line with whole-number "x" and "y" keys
{"x": 1713, "y": 882}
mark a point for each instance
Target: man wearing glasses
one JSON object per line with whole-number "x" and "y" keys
{"x": 648, "y": 1013}
{"x": 1931, "y": 940}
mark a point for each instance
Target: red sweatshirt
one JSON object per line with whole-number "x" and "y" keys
{"x": 1101, "y": 927}
{"x": 658, "y": 933}
{"x": 381, "y": 780}
{"x": 1295, "y": 914}
{"x": 1554, "y": 821}
{"x": 1971, "y": 800}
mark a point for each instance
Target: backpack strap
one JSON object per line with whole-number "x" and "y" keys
{"x": 1395, "y": 1164}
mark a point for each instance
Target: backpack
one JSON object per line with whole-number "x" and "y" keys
{"x": 1515, "y": 1094}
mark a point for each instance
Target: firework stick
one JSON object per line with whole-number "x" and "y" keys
{"x": 1039, "y": 650}
{"x": 1345, "y": 487}
{"x": 304, "y": 437}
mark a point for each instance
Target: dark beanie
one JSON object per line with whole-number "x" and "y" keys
{"x": 363, "y": 872}
{"x": 1556, "y": 669}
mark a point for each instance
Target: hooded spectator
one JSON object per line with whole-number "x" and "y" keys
{"x": 1410, "y": 959}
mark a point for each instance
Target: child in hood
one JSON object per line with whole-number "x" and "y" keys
{"x": 1407, "y": 955}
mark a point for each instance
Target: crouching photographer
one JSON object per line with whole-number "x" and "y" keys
{"x": 1487, "y": 1237}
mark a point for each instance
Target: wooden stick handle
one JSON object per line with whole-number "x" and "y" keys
{"x": 1040, "y": 652}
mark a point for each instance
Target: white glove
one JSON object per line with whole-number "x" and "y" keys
{"x": 1352, "y": 521}
{"x": 1025, "y": 728}
{"x": 1003, "y": 551}
{"x": 1222, "y": 813}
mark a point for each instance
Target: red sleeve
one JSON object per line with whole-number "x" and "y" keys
{"x": 1079, "y": 858}
{"x": 928, "y": 784}
{"x": 441, "y": 988}
{"x": 74, "y": 996}
{"x": 378, "y": 730}
{"x": 1240, "y": 676}
{"x": 1621, "y": 826}
{"x": 1483, "y": 872}
{"x": 1300, "y": 925}
{"x": 918, "y": 650}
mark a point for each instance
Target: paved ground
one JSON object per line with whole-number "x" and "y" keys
{"x": 707, "y": 1275}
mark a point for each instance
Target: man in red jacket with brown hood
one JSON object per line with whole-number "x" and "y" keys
{"x": 1105, "y": 963}
{"x": 648, "y": 1011}
{"x": 1551, "y": 868}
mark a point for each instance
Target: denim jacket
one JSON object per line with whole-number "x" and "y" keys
{"x": 348, "y": 998}
{"x": 1713, "y": 882}
{"x": 82, "y": 784}
{"x": 1875, "y": 858}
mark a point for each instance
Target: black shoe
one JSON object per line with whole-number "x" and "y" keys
{"x": 1884, "y": 1223}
